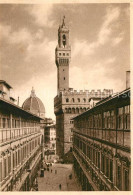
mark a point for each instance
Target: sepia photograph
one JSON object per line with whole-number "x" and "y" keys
{"x": 65, "y": 97}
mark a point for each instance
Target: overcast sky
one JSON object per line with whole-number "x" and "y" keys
{"x": 99, "y": 38}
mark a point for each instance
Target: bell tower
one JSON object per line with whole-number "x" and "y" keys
{"x": 62, "y": 57}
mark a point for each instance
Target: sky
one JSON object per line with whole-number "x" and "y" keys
{"x": 99, "y": 39}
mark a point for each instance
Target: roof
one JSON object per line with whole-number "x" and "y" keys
{"x": 33, "y": 104}
{"x": 5, "y": 83}
{"x": 104, "y": 101}
{"x": 14, "y": 106}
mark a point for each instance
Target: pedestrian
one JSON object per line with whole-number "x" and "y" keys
{"x": 60, "y": 186}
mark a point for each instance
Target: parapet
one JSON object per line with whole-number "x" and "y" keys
{"x": 93, "y": 92}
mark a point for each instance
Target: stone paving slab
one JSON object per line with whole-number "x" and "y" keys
{"x": 52, "y": 180}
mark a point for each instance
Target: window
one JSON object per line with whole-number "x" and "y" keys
{"x": 120, "y": 118}
{"x": 80, "y": 145}
{"x": 99, "y": 160}
{"x": 102, "y": 163}
{"x": 108, "y": 119}
{"x": 8, "y": 123}
{"x": 13, "y": 160}
{"x": 118, "y": 177}
{"x": 84, "y": 100}
{"x": 111, "y": 171}
{"x": 0, "y": 171}
{"x": 104, "y": 120}
{"x": 112, "y": 119}
{"x": 69, "y": 110}
{"x": 88, "y": 152}
{"x": 72, "y": 99}
{"x": 107, "y": 167}
{"x": 126, "y": 180}
{"x": 64, "y": 40}
{"x": 67, "y": 54}
{"x": 64, "y": 78}
{"x": 67, "y": 100}
{"x": 78, "y": 100}
{"x": 63, "y": 54}
{"x": 94, "y": 156}
{"x": 59, "y": 54}
{"x": 4, "y": 122}
{"x": 9, "y": 164}
{"x": 127, "y": 117}
{"x": 71, "y": 138}
{"x": 5, "y": 168}
{"x": 63, "y": 69}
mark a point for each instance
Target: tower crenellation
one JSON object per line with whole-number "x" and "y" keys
{"x": 94, "y": 93}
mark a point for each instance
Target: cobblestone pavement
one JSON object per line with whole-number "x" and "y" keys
{"x": 52, "y": 180}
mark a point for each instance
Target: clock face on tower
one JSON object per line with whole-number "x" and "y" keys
{"x": 64, "y": 40}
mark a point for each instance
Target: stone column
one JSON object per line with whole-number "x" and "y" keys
{"x": 10, "y": 126}
{"x": 20, "y": 125}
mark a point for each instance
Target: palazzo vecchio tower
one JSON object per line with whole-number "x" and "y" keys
{"x": 68, "y": 103}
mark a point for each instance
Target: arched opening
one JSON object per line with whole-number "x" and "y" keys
{"x": 73, "y": 100}
{"x": 67, "y": 100}
{"x": 84, "y": 100}
{"x": 66, "y": 110}
{"x": 84, "y": 109}
{"x": 81, "y": 110}
{"x": 78, "y": 99}
{"x": 73, "y": 110}
{"x": 64, "y": 40}
{"x": 71, "y": 149}
{"x": 77, "y": 110}
{"x": 69, "y": 110}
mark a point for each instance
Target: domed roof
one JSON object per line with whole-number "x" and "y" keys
{"x": 34, "y": 105}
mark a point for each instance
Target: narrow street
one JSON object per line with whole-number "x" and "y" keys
{"x": 58, "y": 174}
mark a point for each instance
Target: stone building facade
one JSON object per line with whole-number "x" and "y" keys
{"x": 50, "y": 137}
{"x": 68, "y": 102}
{"x": 20, "y": 146}
{"x": 102, "y": 145}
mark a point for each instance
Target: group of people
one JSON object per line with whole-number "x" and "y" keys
{"x": 55, "y": 171}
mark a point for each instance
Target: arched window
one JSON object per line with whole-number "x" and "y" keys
{"x": 67, "y": 100}
{"x": 84, "y": 109}
{"x": 72, "y": 99}
{"x": 81, "y": 110}
{"x": 84, "y": 100}
{"x": 64, "y": 36}
{"x": 69, "y": 110}
{"x": 77, "y": 110}
{"x": 66, "y": 110}
{"x": 78, "y": 100}
{"x": 73, "y": 110}
{"x": 64, "y": 40}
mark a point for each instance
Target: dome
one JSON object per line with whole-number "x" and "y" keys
{"x": 34, "y": 105}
